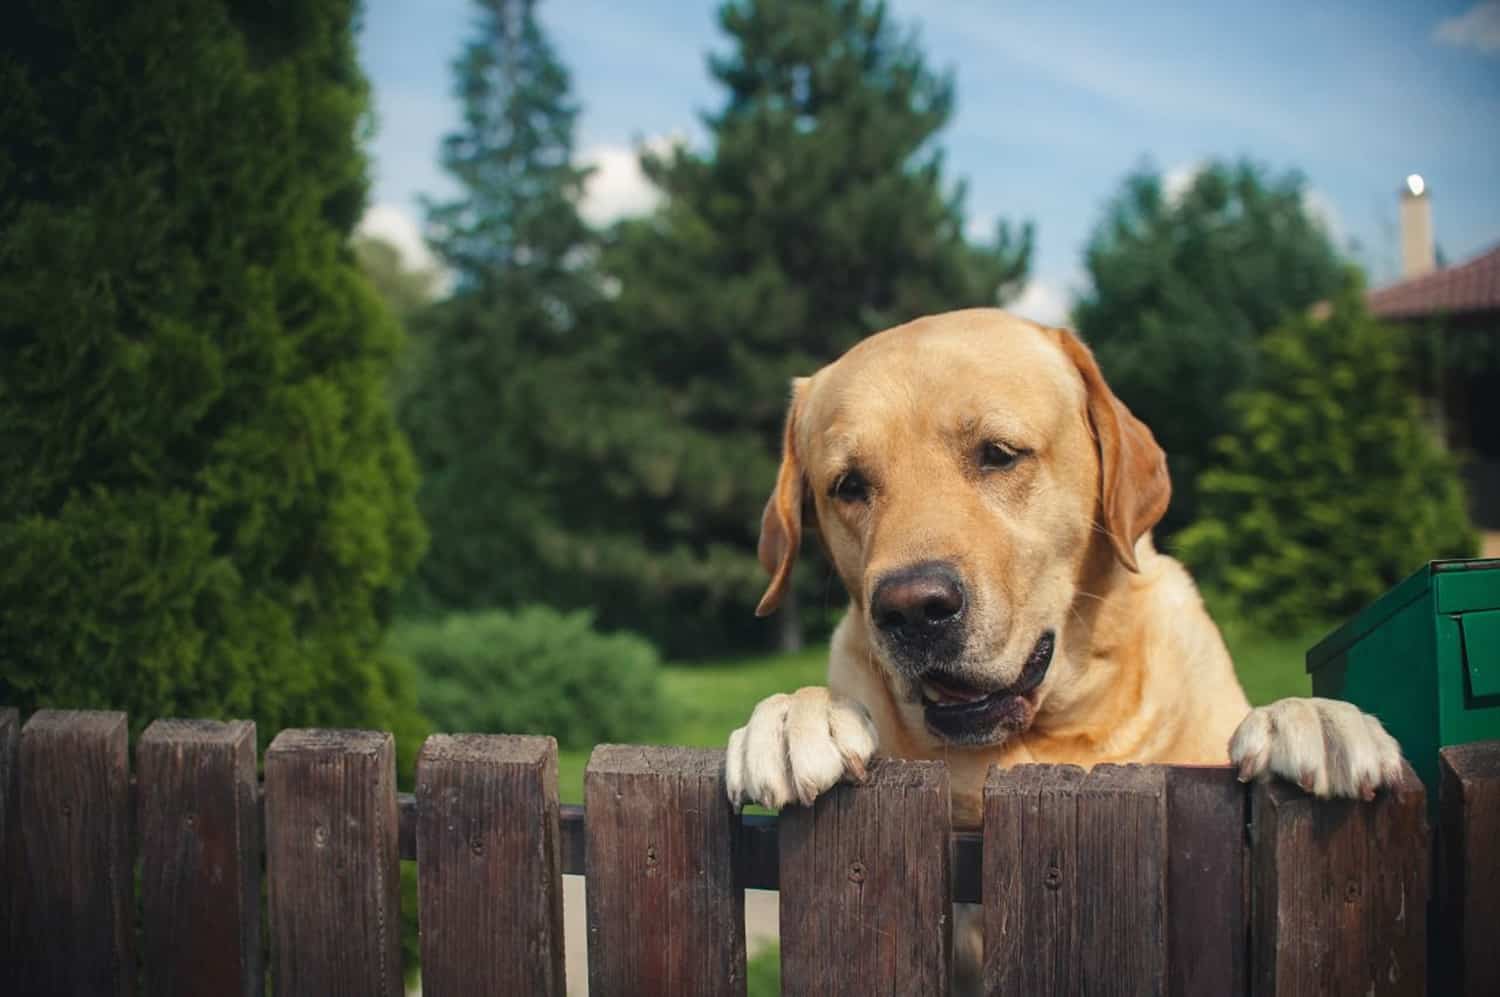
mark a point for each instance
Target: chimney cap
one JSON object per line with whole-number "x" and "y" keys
{"x": 1415, "y": 185}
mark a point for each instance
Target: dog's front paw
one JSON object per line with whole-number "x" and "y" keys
{"x": 796, "y": 746}
{"x": 1327, "y": 747}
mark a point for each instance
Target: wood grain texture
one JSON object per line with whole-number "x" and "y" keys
{"x": 1076, "y": 880}
{"x": 75, "y": 802}
{"x": 1207, "y": 902}
{"x": 665, "y": 915}
{"x": 865, "y": 901}
{"x": 1122, "y": 871}
{"x": 12, "y": 857}
{"x": 1031, "y": 880}
{"x": 331, "y": 853}
{"x": 489, "y": 866}
{"x": 200, "y": 858}
{"x": 1468, "y": 922}
{"x": 1338, "y": 892}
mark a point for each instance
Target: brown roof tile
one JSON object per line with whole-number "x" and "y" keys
{"x": 1469, "y": 287}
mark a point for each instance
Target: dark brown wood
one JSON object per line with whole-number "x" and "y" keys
{"x": 200, "y": 858}
{"x": 865, "y": 902}
{"x": 1031, "y": 880}
{"x": 75, "y": 799}
{"x": 665, "y": 914}
{"x": 331, "y": 853}
{"x": 1076, "y": 879}
{"x": 1207, "y": 904}
{"x": 1338, "y": 892}
{"x": 757, "y": 863}
{"x": 1468, "y": 919}
{"x": 12, "y": 864}
{"x": 1122, "y": 875}
{"x": 489, "y": 866}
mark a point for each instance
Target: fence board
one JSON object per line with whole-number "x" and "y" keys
{"x": 1031, "y": 882}
{"x": 1338, "y": 892}
{"x": 1469, "y": 871}
{"x": 75, "y": 798}
{"x": 200, "y": 857}
{"x": 1076, "y": 879}
{"x": 865, "y": 902}
{"x": 331, "y": 851}
{"x": 489, "y": 862}
{"x": 1207, "y": 904}
{"x": 11, "y": 855}
{"x": 665, "y": 916}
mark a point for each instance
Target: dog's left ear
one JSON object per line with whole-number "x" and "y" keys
{"x": 1134, "y": 487}
{"x": 781, "y": 523}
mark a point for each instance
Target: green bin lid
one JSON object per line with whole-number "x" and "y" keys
{"x": 1470, "y": 591}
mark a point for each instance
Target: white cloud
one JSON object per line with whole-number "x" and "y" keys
{"x": 1477, "y": 28}
{"x": 617, "y": 188}
{"x": 1043, "y": 301}
{"x": 1176, "y": 181}
{"x": 395, "y": 225}
{"x": 1320, "y": 207}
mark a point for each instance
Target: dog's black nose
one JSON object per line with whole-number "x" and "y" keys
{"x": 919, "y": 602}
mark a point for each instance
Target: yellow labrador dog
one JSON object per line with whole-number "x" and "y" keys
{"x": 988, "y": 501}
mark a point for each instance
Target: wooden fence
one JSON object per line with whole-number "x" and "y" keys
{"x": 1125, "y": 879}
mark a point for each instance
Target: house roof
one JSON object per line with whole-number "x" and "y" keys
{"x": 1468, "y": 288}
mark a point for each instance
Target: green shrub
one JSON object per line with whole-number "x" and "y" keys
{"x": 533, "y": 671}
{"x": 206, "y": 508}
{"x": 1334, "y": 489}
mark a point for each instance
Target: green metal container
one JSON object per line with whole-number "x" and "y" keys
{"x": 1425, "y": 659}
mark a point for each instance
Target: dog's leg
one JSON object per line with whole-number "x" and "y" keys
{"x": 796, "y": 746}
{"x": 1327, "y": 747}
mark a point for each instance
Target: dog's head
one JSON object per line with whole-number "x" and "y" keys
{"x": 967, "y": 473}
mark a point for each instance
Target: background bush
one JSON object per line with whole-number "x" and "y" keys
{"x": 1334, "y": 489}
{"x": 533, "y": 671}
{"x": 206, "y": 508}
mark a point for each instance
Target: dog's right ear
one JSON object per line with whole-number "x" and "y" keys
{"x": 781, "y": 523}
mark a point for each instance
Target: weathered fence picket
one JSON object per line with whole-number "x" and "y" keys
{"x": 332, "y": 861}
{"x": 75, "y": 823}
{"x": 11, "y": 868}
{"x": 866, "y": 904}
{"x": 200, "y": 858}
{"x": 1468, "y": 909}
{"x": 490, "y": 885}
{"x": 1123, "y": 879}
{"x": 1339, "y": 892}
{"x": 665, "y": 915}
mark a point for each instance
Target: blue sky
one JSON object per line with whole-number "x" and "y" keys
{"x": 1056, "y": 102}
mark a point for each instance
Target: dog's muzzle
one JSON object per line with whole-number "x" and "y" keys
{"x": 964, "y": 713}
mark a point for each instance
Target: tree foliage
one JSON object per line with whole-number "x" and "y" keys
{"x": 500, "y": 359}
{"x": 1334, "y": 487}
{"x": 205, "y": 505}
{"x": 818, "y": 214}
{"x": 1183, "y": 284}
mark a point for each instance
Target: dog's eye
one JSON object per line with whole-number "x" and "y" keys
{"x": 851, "y": 486}
{"x": 997, "y": 456}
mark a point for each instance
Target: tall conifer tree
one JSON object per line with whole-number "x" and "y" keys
{"x": 205, "y": 505}
{"x": 819, "y": 214}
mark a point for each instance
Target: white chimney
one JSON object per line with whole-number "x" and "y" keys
{"x": 1417, "y": 255}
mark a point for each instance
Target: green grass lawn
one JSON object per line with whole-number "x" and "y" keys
{"x": 707, "y": 701}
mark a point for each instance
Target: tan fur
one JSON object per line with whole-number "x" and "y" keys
{"x": 1060, "y": 541}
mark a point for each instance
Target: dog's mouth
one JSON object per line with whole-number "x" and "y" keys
{"x": 965, "y": 713}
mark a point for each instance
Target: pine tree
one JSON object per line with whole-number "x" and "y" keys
{"x": 1334, "y": 488}
{"x": 819, "y": 214}
{"x": 1183, "y": 284}
{"x": 205, "y": 505}
{"x": 500, "y": 355}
